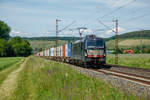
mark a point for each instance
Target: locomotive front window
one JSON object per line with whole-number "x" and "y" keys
{"x": 93, "y": 43}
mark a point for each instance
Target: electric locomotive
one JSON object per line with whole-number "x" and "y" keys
{"x": 90, "y": 50}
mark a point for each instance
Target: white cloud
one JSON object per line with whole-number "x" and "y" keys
{"x": 103, "y": 34}
{"x": 19, "y": 33}
{"x": 110, "y": 33}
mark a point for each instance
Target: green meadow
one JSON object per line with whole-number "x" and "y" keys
{"x": 132, "y": 60}
{"x": 8, "y": 61}
{"x": 42, "y": 79}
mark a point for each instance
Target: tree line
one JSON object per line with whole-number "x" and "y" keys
{"x": 54, "y": 38}
{"x": 12, "y": 46}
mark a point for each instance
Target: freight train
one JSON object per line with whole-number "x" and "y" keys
{"x": 90, "y": 50}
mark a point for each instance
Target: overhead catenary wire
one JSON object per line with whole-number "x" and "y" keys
{"x": 114, "y": 10}
{"x": 138, "y": 17}
{"x": 135, "y": 18}
{"x": 67, "y": 26}
{"x": 106, "y": 26}
{"x": 115, "y": 2}
{"x": 118, "y": 8}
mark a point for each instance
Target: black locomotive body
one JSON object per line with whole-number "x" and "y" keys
{"x": 90, "y": 50}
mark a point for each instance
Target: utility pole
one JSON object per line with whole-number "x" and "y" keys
{"x": 57, "y": 31}
{"x": 57, "y": 34}
{"x": 116, "y": 42}
{"x": 142, "y": 32}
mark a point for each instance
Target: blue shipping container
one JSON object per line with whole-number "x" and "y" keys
{"x": 69, "y": 49}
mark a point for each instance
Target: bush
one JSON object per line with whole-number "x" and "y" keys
{"x": 3, "y": 48}
{"x": 20, "y": 47}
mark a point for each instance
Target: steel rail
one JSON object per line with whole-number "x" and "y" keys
{"x": 138, "y": 79}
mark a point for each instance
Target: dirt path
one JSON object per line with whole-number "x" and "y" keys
{"x": 10, "y": 83}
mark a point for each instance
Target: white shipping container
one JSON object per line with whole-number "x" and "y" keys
{"x": 55, "y": 51}
{"x": 41, "y": 53}
{"x": 66, "y": 50}
{"x": 58, "y": 51}
{"x": 52, "y": 50}
{"x": 44, "y": 52}
{"x": 47, "y": 52}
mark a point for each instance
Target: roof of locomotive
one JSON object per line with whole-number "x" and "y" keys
{"x": 88, "y": 37}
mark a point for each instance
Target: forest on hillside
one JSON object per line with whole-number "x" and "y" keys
{"x": 69, "y": 39}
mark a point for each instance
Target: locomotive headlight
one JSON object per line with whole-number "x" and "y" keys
{"x": 85, "y": 54}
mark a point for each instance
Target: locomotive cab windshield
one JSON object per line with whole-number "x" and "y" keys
{"x": 95, "y": 43}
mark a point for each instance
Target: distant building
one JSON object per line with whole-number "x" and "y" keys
{"x": 128, "y": 51}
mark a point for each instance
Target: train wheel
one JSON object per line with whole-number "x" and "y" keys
{"x": 85, "y": 65}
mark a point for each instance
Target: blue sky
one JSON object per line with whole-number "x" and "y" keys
{"x": 33, "y": 18}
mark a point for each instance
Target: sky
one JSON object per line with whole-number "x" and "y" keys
{"x": 35, "y": 18}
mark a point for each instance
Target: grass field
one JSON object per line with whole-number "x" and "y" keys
{"x": 47, "y": 80}
{"x": 128, "y": 43}
{"x": 133, "y": 60}
{"x": 8, "y": 61}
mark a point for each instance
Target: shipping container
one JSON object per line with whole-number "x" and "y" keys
{"x": 45, "y": 51}
{"x": 63, "y": 50}
{"x": 49, "y": 52}
{"x": 69, "y": 49}
{"x": 52, "y": 51}
{"x": 42, "y": 53}
{"x": 58, "y": 51}
{"x": 66, "y": 50}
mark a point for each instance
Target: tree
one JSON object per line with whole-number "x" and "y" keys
{"x": 4, "y": 31}
{"x": 20, "y": 47}
{"x": 3, "y": 48}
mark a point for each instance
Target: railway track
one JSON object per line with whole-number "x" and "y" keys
{"x": 131, "y": 77}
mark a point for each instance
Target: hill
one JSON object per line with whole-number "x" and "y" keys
{"x": 129, "y": 43}
{"x": 54, "y": 38}
{"x": 136, "y": 34}
{"x": 130, "y": 40}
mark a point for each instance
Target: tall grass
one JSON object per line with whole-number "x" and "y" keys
{"x": 133, "y": 60}
{"x": 48, "y": 80}
{"x": 6, "y": 62}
